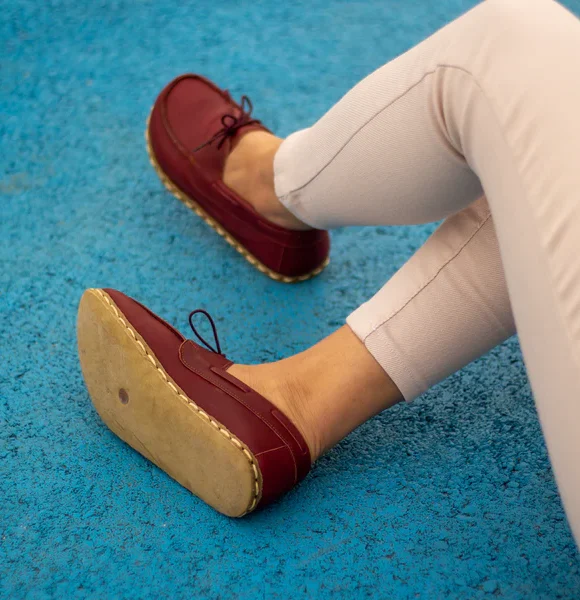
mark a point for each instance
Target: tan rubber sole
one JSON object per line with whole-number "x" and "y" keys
{"x": 140, "y": 403}
{"x": 196, "y": 208}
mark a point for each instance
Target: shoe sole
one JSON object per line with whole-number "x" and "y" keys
{"x": 141, "y": 404}
{"x": 196, "y": 208}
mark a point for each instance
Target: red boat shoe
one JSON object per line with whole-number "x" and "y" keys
{"x": 175, "y": 403}
{"x": 189, "y": 135}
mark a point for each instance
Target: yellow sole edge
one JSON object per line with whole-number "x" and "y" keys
{"x": 141, "y": 404}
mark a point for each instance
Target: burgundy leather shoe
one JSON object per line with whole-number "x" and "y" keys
{"x": 175, "y": 403}
{"x": 190, "y": 133}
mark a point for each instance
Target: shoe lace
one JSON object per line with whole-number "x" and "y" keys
{"x": 217, "y": 349}
{"x": 231, "y": 124}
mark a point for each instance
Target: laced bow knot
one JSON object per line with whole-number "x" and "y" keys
{"x": 217, "y": 349}
{"x": 231, "y": 124}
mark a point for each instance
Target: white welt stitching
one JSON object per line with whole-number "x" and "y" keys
{"x": 213, "y": 224}
{"x": 235, "y": 442}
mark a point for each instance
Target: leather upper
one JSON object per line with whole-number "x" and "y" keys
{"x": 187, "y": 114}
{"x": 281, "y": 451}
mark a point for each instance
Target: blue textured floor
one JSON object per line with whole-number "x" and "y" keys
{"x": 450, "y": 497}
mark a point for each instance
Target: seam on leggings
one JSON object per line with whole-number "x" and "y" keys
{"x": 425, "y": 75}
{"x": 484, "y": 307}
{"x": 520, "y": 181}
{"x": 562, "y": 317}
{"x": 480, "y": 224}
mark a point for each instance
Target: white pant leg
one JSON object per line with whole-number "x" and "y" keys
{"x": 491, "y": 102}
{"x": 445, "y": 307}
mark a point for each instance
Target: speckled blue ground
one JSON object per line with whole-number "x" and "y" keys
{"x": 450, "y": 497}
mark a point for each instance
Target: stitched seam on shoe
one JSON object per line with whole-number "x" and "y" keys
{"x": 235, "y": 397}
{"x": 220, "y": 230}
{"x": 165, "y": 120}
{"x": 286, "y": 428}
{"x": 233, "y": 439}
{"x": 271, "y": 450}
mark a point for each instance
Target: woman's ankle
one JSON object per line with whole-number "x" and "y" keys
{"x": 288, "y": 393}
{"x": 327, "y": 391}
{"x": 249, "y": 171}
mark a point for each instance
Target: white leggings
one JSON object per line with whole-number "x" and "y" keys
{"x": 488, "y": 105}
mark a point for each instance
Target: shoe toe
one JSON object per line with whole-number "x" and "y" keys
{"x": 192, "y": 109}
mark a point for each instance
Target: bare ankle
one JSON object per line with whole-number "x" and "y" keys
{"x": 286, "y": 392}
{"x": 339, "y": 385}
{"x": 326, "y": 391}
{"x": 296, "y": 398}
{"x": 249, "y": 171}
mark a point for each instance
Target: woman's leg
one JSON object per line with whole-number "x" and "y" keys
{"x": 488, "y": 103}
{"x": 445, "y": 307}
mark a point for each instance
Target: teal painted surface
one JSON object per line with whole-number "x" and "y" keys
{"x": 449, "y": 497}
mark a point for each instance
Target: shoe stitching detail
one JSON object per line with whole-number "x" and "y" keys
{"x": 181, "y": 196}
{"x": 174, "y": 389}
{"x": 220, "y": 386}
{"x": 271, "y": 450}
